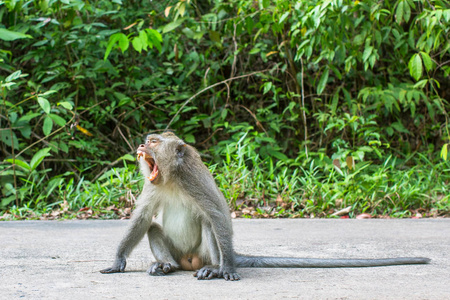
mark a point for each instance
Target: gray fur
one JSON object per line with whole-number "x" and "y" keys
{"x": 195, "y": 215}
{"x": 196, "y": 220}
{"x": 291, "y": 262}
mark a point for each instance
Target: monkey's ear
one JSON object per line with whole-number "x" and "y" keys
{"x": 181, "y": 149}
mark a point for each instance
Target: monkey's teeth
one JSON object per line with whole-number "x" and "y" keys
{"x": 154, "y": 173}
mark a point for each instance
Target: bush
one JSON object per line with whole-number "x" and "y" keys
{"x": 361, "y": 83}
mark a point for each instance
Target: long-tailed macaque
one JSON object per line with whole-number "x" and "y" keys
{"x": 196, "y": 231}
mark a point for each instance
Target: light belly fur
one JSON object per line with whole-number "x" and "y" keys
{"x": 181, "y": 224}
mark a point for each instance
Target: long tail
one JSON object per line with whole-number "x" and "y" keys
{"x": 290, "y": 262}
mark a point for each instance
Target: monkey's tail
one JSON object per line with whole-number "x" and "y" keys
{"x": 244, "y": 261}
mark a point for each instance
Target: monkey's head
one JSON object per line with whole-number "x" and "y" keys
{"x": 162, "y": 154}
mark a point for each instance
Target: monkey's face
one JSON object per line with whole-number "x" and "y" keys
{"x": 145, "y": 152}
{"x": 162, "y": 154}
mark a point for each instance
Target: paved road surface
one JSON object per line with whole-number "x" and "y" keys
{"x": 61, "y": 259}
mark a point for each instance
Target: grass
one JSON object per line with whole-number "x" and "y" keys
{"x": 316, "y": 189}
{"x": 111, "y": 196}
{"x": 257, "y": 187}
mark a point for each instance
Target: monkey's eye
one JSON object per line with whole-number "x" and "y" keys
{"x": 153, "y": 141}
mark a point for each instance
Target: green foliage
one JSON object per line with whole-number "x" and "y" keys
{"x": 8, "y": 35}
{"x": 319, "y": 187}
{"x": 273, "y": 92}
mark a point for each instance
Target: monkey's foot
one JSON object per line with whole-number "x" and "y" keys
{"x": 112, "y": 270}
{"x": 210, "y": 272}
{"x": 232, "y": 276}
{"x": 118, "y": 267}
{"x": 160, "y": 269}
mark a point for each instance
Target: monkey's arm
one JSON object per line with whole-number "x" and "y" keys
{"x": 140, "y": 223}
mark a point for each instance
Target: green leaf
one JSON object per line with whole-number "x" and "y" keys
{"x": 171, "y": 26}
{"x": 249, "y": 24}
{"x": 13, "y": 76}
{"x": 49, "y": 92}
{"x": 5, "y": 137}
{"x": 358, "y": 40}
{"x": 187, "y": 31}
{"x": 48, "y": 125}
{"x": 63, "y": 146}
{"x": 224, "y": 113}
{"x": 283, "y": 17}
{"x": 129, "y": 157}
{"x": 367, "y": 52}
{"x": 412, "y": 107}
{"x": 267, "y": 87}
{"x": 420, "y": 85}
{"x": 365, "y": 149}
{"x": 155, "y": 38}
{"x": 114, "y": 39}
{"x": 23, "y": 164}
{"x": 137, "y": 44}
{"x": 389, "y": 130}
{"x": 254, "y": 51}
{"x": 431, "y": 111}
{"x": 38, "y": 158}
{"x": 407, "y": 11}
{"x": 277, "y": 154}
{"x": 8, "y": 35}
{"x": 446, "y": 14}
{"x": 144, "y": 40}
{"x": 334, "y": 102}
{"x": 426, "y": 60}
{"x": 214, "y": 36}
{"x": 7, "y": 200}
{"x": 399, "y": 12}
{"x": 378, "y": 37}
{"x": 25, "y": 130}
{"x": 189, "y": 138}
{"x": 58, "y": 120}
{"x": 399, "y": 127}
{"x": 155, "y": 34}
{"x": 323, "y": 81}
{"x": 372, "y": 59}
{"x": 444, "y": 152}
{"x": 415, "y": 66}
{"x": 124, "y": 43}
{"x": 18, "y": 173}
{"x": 66, "y": 105}
{"x": 45, "y": 105}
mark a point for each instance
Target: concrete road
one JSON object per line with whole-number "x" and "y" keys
{"x": 61, "y": 259}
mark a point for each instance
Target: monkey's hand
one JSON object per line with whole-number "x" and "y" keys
{"x": 118, "y": 267}
{"x": 210, "y": 272}
{"x": 160, "y": 269}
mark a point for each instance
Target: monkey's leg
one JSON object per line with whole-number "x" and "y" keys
{"x": 161, "y": 245}
{"x": 209, "y": 248}
{"x": 140, "y": 222}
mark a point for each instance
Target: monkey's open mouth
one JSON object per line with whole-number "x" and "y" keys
{"x": 151, "y": 164}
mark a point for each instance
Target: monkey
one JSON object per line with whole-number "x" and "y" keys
{"x": 195, "y": 233}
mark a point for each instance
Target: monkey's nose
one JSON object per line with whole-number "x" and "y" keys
{"x": 141, "y": 145}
